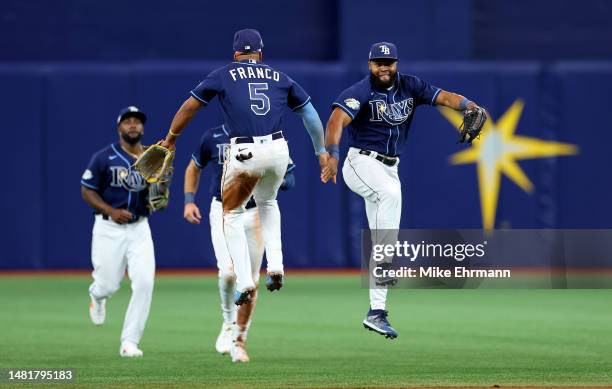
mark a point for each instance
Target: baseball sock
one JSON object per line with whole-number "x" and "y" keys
{"x": 227, "y": 285}
{"x": 378, "y": 298}
{"x": 243, "y": 321}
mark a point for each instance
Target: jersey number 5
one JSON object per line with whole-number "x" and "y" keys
{"x": 262, "y": 105}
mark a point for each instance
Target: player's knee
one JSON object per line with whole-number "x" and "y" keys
{"x": 391, "y": 195}
{"x": 105, "y": 291}
{"x": 227, "y": 275}
{"x": 232, "y": 215}
{"x": 266, "y": 203}
{"x": 144, "y": 286}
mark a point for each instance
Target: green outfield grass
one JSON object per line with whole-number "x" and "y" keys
{"x": 310, "y": 335}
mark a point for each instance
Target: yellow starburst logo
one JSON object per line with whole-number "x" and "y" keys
{"x": 497, "y": 152}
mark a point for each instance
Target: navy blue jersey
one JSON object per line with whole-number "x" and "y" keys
{"x": 211, "y": 149}
{"x": 382, "y": 118}
{"x": 252, "y": 97}
{"x": 110, "y": 175}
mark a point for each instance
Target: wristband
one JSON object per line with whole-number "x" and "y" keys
{"x": 333, "y": 150}
{"x": 189, "y": 198}
{"x": 174, "y": 134}
{"x": 464, "y": 103}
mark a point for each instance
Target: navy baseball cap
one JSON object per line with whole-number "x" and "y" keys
{"x": 131, "y": 111}
{"x": 383, "y": 50}
{"x": 247, "y": 40}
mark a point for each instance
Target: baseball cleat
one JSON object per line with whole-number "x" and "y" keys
{"x": 97, "y": 311}
{"x": 376, "y": 320}
{"x": 239, "y": 353}
{"x": 274, "y": 281}
{"x": 130, "y": 350}
{"x": 224, "y": 340}
{"x": 243, "y": 297}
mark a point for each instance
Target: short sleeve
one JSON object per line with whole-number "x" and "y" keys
{"x": 93, "y": 176}
{"x": 202, "y": 154}
{"x": 208, "y": 88}
{"x": 424, "y": 92}
{"x": 297, "y": 97}
{"x": 350, "y": 101}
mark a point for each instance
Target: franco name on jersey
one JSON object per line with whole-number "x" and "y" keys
{"x": 258, "y": 72}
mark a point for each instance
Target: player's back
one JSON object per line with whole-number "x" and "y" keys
{"x": 252, "y": 96}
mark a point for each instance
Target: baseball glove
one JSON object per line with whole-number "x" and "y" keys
{"x": 159, "y": 192}
{"x": 155, "y": 163}
{"x": 473, "y": 121}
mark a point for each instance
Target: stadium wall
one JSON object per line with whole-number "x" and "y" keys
{"x": 56, "y": 115}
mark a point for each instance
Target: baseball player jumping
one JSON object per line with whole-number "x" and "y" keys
{"x": 122, "y": 200}
{"x": 236, "y": 322}
{"x": 252, "y": 96}
{"x": 378, "y": 110}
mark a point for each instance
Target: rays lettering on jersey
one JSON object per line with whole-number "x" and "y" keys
{"x": 127, "y": 179}
{"x": 250, "y": 72}
{"x": 394, "y": 114}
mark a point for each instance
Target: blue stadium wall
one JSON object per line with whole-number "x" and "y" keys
{"x": 68, "y": 66}
{"x": 311, "y": 30}
{"x": 56, "y": 116}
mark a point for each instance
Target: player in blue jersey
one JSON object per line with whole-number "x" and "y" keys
{"x": 253, "y": 97}
{"x": 378, "y": 111}
{"x": 236, "y": 322}
{"x": 122, "y": 200}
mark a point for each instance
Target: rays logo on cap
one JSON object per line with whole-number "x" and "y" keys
{"x": 382, "y": 50}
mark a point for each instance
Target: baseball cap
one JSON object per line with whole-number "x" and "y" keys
{"x": 383, "y": 50}
{"x": 131, "y": 111}
{"x": 247, "y": 40}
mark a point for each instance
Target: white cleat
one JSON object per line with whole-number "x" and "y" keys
{"x": 97, "y": 311}
{"x": 130, "y": 350}
{"x": 224, "y": 340}
{"x": 239, "y": 353}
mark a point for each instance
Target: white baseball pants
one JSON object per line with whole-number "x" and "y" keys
{"x": 380, "y": 187}
{"x": 227, "y": 277}
{"x": 113, "y": 248}
{"x": 261, "y": 175}
{"x": 252, "y": 229}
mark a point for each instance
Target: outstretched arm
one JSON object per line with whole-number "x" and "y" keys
{"x": 474, "y": 117}
{"x": 454, "y": 101}
{"x": 337, "y": 121}
{"x": 181, "y": 119}
{"x": 313, "y": 125}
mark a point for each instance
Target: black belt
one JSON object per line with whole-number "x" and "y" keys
{"x": 389, "y": 161}
{"x": 250, "y": 204}
{"x": 106, "y": 217}
{"x": 249, "y": 139}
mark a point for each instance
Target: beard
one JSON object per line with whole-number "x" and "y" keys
{"x": 383, "y": 84}
{"x": 132, "y": 140}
